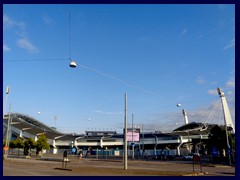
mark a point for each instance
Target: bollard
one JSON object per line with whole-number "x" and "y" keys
{"x": 64, "y": 163}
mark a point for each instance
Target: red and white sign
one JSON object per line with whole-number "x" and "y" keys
{"x": 132, "y": 136}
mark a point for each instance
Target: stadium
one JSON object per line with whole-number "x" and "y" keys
{"x": 192, "y": 137}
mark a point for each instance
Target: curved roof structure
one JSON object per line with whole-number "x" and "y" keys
{"x": 32, "y": 122}
{"x": 30, "y": 125}
{"x": 191, "y": 127}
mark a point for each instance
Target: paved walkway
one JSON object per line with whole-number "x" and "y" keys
{"x": 93, "y": 167}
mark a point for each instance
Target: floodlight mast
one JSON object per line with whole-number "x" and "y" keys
{"x": 6, "y": 98}
{"x": 184, "y": 112}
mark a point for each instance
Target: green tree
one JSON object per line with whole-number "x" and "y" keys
{"x": 28, "y": 145}
{"x": 19, "y": 143}
{"x": 30, "y": 142}
{"x": 12, "y": 144}
{"x": 42, "y": 143}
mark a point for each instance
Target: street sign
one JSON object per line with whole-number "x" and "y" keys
{"x": 228, "y": 151}
{"x": 196, "y": 158}
{"x": 74, "y": 150}
{"x": 214, "y": 152}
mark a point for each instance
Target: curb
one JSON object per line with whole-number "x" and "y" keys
{"x": 196, "y": 174}
{"x": 218, "y": 166}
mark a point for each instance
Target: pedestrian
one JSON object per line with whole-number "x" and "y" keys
{"x": 80, "y": 155}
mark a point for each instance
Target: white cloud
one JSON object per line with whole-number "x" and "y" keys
{"x": 49, "y": 21}
{"x": 212, "y": 92}
{"x": 6, "y": 48}
{"x": 27, "y": 45}
{"x": 108, "y": 113}
{"x": 147, "y": 38}
{"x": 200, "y": 80}
{"x": 9, "y": 23}
{"x": 230, "y": 83}
{"x": 19, "y": 28}
{"x": 200, "y": 36}
{"x": 230, "y": 45}
{"x": 184, "y": 31}
{"x": 230, "y": 93}
{"x": 221, "y": 6}
{"x": 214, "y": 82}
{"x": 212, "y": 114}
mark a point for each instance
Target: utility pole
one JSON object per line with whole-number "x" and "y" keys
{"x": 143, "y": 150}
{"x": 125, "y": 134}
{"x": 132, "y": 139}
{"x": 6, "y": 148}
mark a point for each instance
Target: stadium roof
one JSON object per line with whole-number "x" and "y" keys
{"x": 31, "y": 125}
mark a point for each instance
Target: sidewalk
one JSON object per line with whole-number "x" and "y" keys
{"x": 36, "y": 166}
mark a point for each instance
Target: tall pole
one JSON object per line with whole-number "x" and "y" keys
{"x": 5, "y": 101}
{"x": 125, "y": 134}
{"x": 185, "y": 116}
{"x": 55, "y": 122}
{"x": 132, "y": 139}
{"x": 188, "y": 141}
{"x": 143, "y": 138}
{"x": 8, "y": 133}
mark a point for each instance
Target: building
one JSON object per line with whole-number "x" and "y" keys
{"x": 192, "y": 137}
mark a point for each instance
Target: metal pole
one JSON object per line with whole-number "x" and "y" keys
{"x": 132, "y": 139}
{"x": 125, "y": 134}
{"x": 143, "y": 137}
{"x": 8, "y": 133}
{"x": 97, "y": 153}
{"x": 5, "y": 101}
{"x": 188, "y": 142}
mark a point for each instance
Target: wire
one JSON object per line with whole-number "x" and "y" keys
{"x": 94, "y": 70}
{"x": 119, "y": 80}
{"x": 69, "y": 33}
{"x": 29, "y": 60}
{"x": 210, "y": 117}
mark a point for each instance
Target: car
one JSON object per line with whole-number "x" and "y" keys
{"x": 189, "y": 157}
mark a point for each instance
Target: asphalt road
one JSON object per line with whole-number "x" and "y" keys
{"x": 13, "y": 166}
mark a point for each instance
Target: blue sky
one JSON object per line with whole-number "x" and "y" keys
{"x": 160, "y": 55}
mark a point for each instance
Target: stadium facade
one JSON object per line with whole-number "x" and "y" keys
{"x": 192, "y": 137}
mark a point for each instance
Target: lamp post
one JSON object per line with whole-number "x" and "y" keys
{"x": 8, "y": 134}
{"x": 143, "y": 150}
{"x": 5, "y": 101}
